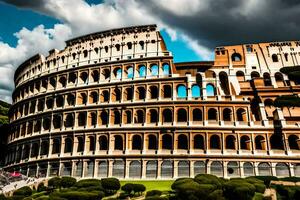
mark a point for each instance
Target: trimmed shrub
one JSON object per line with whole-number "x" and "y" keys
{"x": 54, "y": 182}
{"x": 110, "y": 185}
{"x": 156, "y": 198}
{"x": 139, "y": 188}
{"x": 216, "y": 195}
{"x": 67, "y": 181}
{"x": 76, "y": 195}
{"x": 127, "y": 188}
{"x": 209, "y": 179}
{"x": 43, "y": 198}
{"x": 238, "y": 189}
{"x": 41, "y": 187}
{"x": 291, "y": 179}
{"x": 153, "y": 193}
{"x": 23, "y": 191}
{"x": 39, "y": 194}
{"x": 88, "y": 183}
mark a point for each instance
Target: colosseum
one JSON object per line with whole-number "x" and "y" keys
{"x": 114, "y": 104}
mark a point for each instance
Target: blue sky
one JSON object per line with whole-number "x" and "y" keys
{"x": 17, "y": 18}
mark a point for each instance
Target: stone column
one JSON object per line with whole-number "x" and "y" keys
{"x": 175, "y": 168}
{"x": 110, "y": 168}
{"x": 159, "y": 162}
{"x": 144, "y": 165}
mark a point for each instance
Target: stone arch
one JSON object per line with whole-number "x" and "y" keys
{"x": 56, "y": 146}
{"x": 137, "y": 142}
{"x": 82, "y": 99}
{"x": 167, "y": 141}
{"x": 182, "y": 115}
{"x": 227, "y": 114}
{"x": 117, "y": 73}
{"x": 128, "y": 117}
{"x": 240, "y": 76}
{"x": 183, "y": 168}
{"x": 141, "y": 93}
{"x": 198, "y": 142}
{"x": 267, "y": 79}
{"x": 44, "y": 148}
{"x": 167, "y": 115}
{"x": 212, "y": 114}
{"x": 153, "y": 116}
{"x": 276, "y": 141}
{"x": 233, "y": 169}
{"x": 197, "y": 115}
{"x": 62, "y": 81}
{"x": 260, "y": 143}
{"x": 230, "y": 142}
{"x": 49, "y": 103}
{"x": 79, "y": 169}
{"x": 95, "y": 75}
{"x": 94, "y": 97}
{"x": 216, "y": 168}
{"x": 118, "y": 169}
{"x": 92, "y": 118}
{"x": 154, "y": 70}
{"x": 103, "y": 169}
{"x": 153, "y": 92}
{"x": 181, "y": 91}
{"x": 274, "y": 58}
{"x": 167, "y": 169}
{"x": 34, "y": 150}
{"x": 104, "y": 118}
{"x": 46, "y": 123}
{"x": 236, "y": 57}
{"x": 142, "y": 70}
{"x": 59, "y": 100}
{"x": 241, "y": 115}
{"x": 215, "y": 142}
{"x": 104, "y": 96}
{"x": 199, "y": 168}
{"x": 166, "y": 69}
{"x": 152, "y": 142}
{"x": 210, "y": 90}
{"x": 140, "y": 116}
{"x": 151, "y": 169}
{"x": 118, "y": 142}
{"x": 68, "y": 145}
{"x": 282, "y": 170}
{"x": 84, "y": 77}
{"x": 254, "y": 74}
{"x": 245, "y": 142}
{"x": 167, "y": 90}
{"x": 80, "y": 147}
{"x": 224, "y": 82}
{"x": 182, "y": 142}
{"x": 92, "y": 146}
{"x": 264, "y": 169}
{"x": 116, "y": 117}
{"x": 196, "y": 91}
{"x": 293, "y": 142}
{"x": 81, "y": 119}
{"x": 116, "y": 96}
{"x": 71, "y": 99}
{"x": 135, "y": 169}
{"x": 128, "y": 94}
{"x": 106, "y": 73}
{"x": 103, "y": 142}
{"x": 248, "y": 169}
{"x": 279, "y": 79}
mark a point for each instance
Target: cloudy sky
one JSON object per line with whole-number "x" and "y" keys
{"x": 191, "y": 28}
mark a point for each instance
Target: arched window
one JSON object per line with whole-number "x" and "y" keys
{"x": 49, "y": 103}
{"x": 267, "y": 79}
{"x": 254, "y": 75}
{"x": 210, "y": 90}
{"x": 248, "y": 169}
{"x": 282, "y": 170}
{"x": 167, "y": 141}
{"x": 240, "y": 76}
{"x": 130, "y": 72}
{"x": 183, "y": 168}
{"x": 59, "y": 101}
{"x": 46, "y": 123}
{"x": 93, "y": 119}
{"x": 245, "y": 142}
{"x": 103, "y": 169}
{"x": 104, "y": 118}
{"x": 63, "y": 81}
{"x": 84, "y": 77}
{"x": 82, "y": 98}
{"x": 118, "y": 169}
{"x": 103, "y": 143}
{"x": 227, "y": 114}
{"x": 152, "y": 142}
{"x": 118, "y": 142}
{"x": 71, "y": 99}
{"x": 129, "y": 94}
{"x": 198, "y": 142}
{"x": 57, "y": 121}
{"x": 68, "y": 145}
{"x": 196, "y": 91}
{"x": 181, "y": 115}
{"x": 293, "y": 142}
{"x": 69, "y": 120}
{"x": 135, "y": 169}
{"x": 140, "y": 117}
{"x": 116, "y": 94}
{"x": 241, "y": 115}
{"x": 197, "y": 115}
{"x": 44, "y": 148}
{"x": 34, "y": 150}
{"x": 230, "y": 142}
{"x": 105, "y": 96}
{"x": 151, "y": 169}
{"x": 137, "y": 142}
{"x": 167, "y": 115}
{"x": 153, "y": 116}
{"x": 167, "y": 169}
{"x": 279, "y": 79}
{"x": 56, "y": 146}
{"x": 94, "y": 97}
{"x": 118, "y": 73}
{"x": 264, "y": 169}
{"x": 276, "y": 141}
{"x": 215, "y": 142}
{"x": 80, "y": 147}
{"x": 117, "y": 117}
{"x": 166, "y": 69}
{"x": 141, "y": 93}
{"x": 274, "y": 58}
{"x": 153, "y": 92}
{"x": 233, "y": 169}
{"x": 82, "y": 119}
{"x": 216, "y": 168}
{"x": 142, "y": 71}
{"x": 128, "y": 117}
{"x": 106, "y": 73}
{"x": 199, "y": 167}
{"x": 117, "y": 47}
{"x": 259, "y": 142}
{"x": 95, "y": 75}
{"x": 182, "y": 142}
{"x": 167, "y": 91}
{"x": 236, "y": 57}
{"x": 212, "y": 114}
{"x": 154, "y": 70}
{"x": 181, "y": 91}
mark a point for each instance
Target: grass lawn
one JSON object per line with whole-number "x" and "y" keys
{"x": 153, "y": 185}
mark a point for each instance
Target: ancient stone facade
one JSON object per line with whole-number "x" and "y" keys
{"x": 113, "y": 103}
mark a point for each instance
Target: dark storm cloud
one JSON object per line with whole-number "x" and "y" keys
{"x": 227, "y": 22}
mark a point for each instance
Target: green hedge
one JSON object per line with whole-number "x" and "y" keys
{"x": 76, "y": 195}
{"x": 67, "y": 181}
{"x": 237, "y": 189}
{"x": 153, "y": 193}
{"x": 110, "y": 185}
{"x": 54, "y": 182}
{"x": 88, "y": 183}
{"x": 23, "y": 191}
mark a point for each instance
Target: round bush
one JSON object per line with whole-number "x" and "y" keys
{"x": 209, "y": 179}
{"x": 67, "y": 181}
{"x": 76, "y": 195}
{"x": 139, "y": 188}
{"x": 241, "y": 190}
{"x": 41, "y": 187}
{"x": 54, "y": 182}
{"x": 110, "y": 185}
{"x": 153, "y": 193}
{"x": 23, "y": 191}
{"x": 127, "y": 188}
{"x": 216, "y": 195}
{"x": 88, "y": 183}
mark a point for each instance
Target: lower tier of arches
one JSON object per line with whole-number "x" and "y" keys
{"x": 170, "y": 168}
